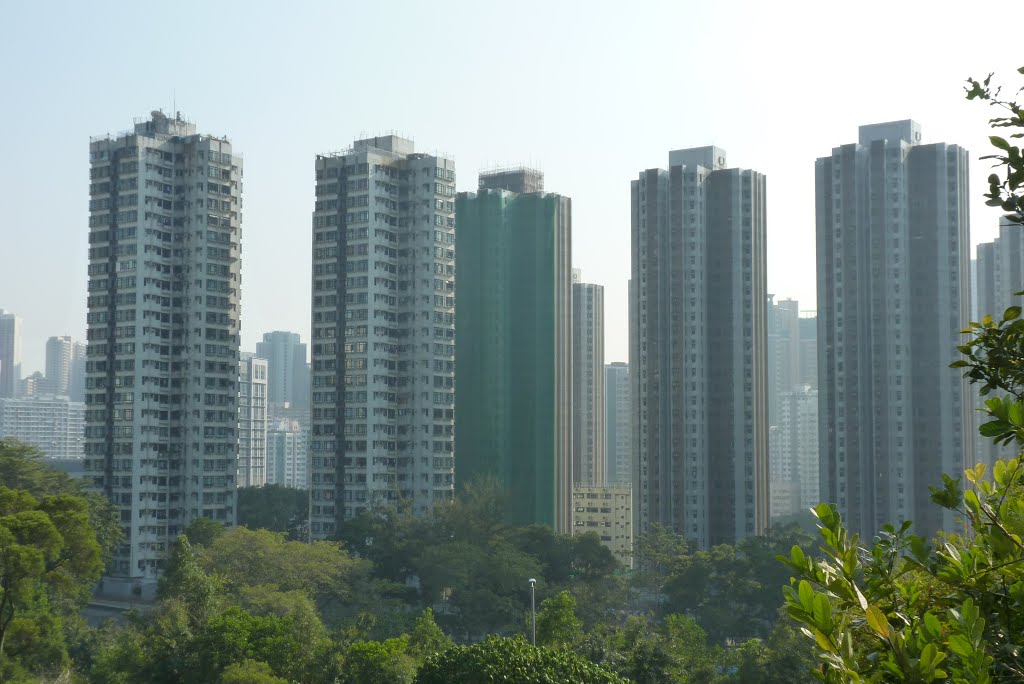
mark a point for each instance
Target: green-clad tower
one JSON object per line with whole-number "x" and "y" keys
{"x": 513, "y": 366}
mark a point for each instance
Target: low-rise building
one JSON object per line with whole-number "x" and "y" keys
{"x": 606, "y": 510}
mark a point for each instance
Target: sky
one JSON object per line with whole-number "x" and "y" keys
{"x": 589, "y": 92}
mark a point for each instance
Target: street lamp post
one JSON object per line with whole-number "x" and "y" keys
{"x": 533, "y": 611}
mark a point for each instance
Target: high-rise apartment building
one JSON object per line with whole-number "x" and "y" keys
{"x": 163, "y": 321}
{"x": 792, "y": 388}
{"x": 697, "y": 348}
{"x": 289, "y": 373}
{"x": 65, "y": 367}
{"x": 286, "y": 455}
{"x": 34, "y": 385}
{"x": 588, "y": 391}
{"x": 793, "y": 453}
{"x": 383, "y": 330}
{"x": 809, "y": 349}
{"x": 10, "y": 354}
{"x": 618, "y": 421}
{"x": 54, "y": 425}
{"x": 783, "y": 351}
{"x": 893, "y": 246}
{"x": 514, "y": 345}
{"x": 1000, "y": 269}
{"x": 1000, "y": 273}
{"x": 252, "y": 421}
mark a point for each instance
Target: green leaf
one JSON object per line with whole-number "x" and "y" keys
{"x": 1011, "y": 313}
{"x": 999, "y": 142}
{"x": 1015, "y": 413}
{"x": 797, "y": 554}
{"x": 932, "y": 626}
{"x": 993, "y": 428}
{"x": 806, "y": 596}
{"x": 998, "y": 470}
{"x": 877, "y": 621}
{"x": 959, "y": 644}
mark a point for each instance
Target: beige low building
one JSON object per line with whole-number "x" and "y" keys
{"x": 608, "y": 511}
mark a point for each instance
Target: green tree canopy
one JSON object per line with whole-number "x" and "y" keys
{"x": 511, "y": 661}
{"x": 274, "y": 507}
{"x": 557, "y": 624}
{"x": 49, "y": 560}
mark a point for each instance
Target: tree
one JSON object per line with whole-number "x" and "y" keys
{"x": 274, "y": 507}
{"x": 373, "y": 661}
{"x": 557, "y": 624}
{"x": 427, "y": 638}
{"x": 249, "y": 558}
{"x": 732, "y": 591}
{"x": 186, "y": 581}
{"x": 236, "y": 635}
{"x": 49, "y": 560}
{"x": 204, "y": 531}
{"x": 511, "y": 661}
{"x": 22, "y": 467}
{"x": 655, "y": 553}
{"x": 1005, "y": 192}
{"x": 250, "y": 672}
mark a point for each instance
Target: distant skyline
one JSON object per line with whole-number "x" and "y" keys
{"x": 591, "y": 94}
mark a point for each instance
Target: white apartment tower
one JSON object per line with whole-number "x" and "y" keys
{"x": 698, "y": 308}
{"x": 65, "y": 367}
{"x": 165, "y": 218}
{"x": 588, "y": 445}
{"x": 893, "y": 250}
{"x": 618, "y": 420}
{"x": 383, "y": 331}
{"x": 286, "y": 455}
{"x": 252, "y": 421}
{"x": 10, "y": 354}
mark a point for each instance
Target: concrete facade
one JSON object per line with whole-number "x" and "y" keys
{"x": 65, "y": 367}
{"x": 893, "y": 245}
{"x": 792, "y": 388}
{"x": 618, "y": 421}
{"x": 286, "y": 455}
{"x": 10, "y": 354}
{"x": 252, "y": 421}
{"x": 588, "y": 390}
{"x": 793, "y": 466}
{"x": 698, "y": 308}
{"x": 383, "y": 371}
{"x": 165, "y": 221}
{"x": 607, "y": 511}
{"x": 289, "y": 372}
{"x": 54, "y": 425}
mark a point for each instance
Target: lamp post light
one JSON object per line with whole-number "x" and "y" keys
{"x": 533, "y": 611}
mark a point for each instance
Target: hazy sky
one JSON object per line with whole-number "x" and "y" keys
{"x": 590, "y": 92}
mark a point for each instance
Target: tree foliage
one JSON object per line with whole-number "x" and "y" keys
{"x": 1006, "y": 191}
{"x": 49, "y": 560}
{"x": 276, "y": 508}
{"x": 22, "y": 467}
{"x": 511, "y": 661}
{"x": 557, "y": 624}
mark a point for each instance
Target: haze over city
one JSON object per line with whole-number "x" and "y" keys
{"x": 591, "y": 94}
